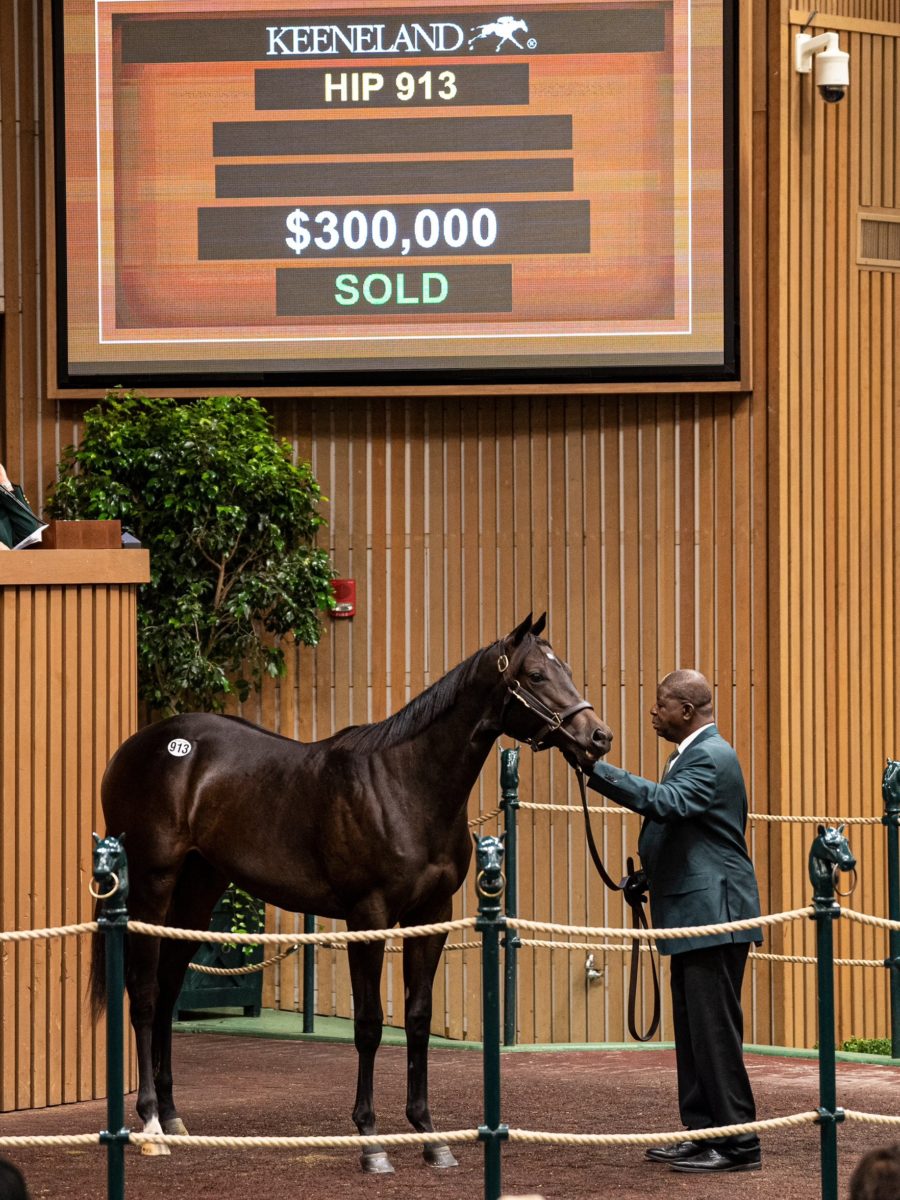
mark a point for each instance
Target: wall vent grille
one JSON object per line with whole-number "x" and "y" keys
{"x": 879, "y": 240}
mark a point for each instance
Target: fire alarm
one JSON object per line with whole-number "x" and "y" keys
{"x": 344, "y": 597}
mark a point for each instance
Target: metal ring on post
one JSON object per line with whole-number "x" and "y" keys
{"x": 853, "y": 875}
{"x": 105, "y": 895}
{"x": 479, "y": 878}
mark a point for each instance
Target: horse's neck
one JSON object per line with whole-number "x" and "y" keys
{"x": 460, "y": 739}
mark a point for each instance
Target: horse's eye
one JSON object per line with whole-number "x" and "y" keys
{"x": 537, "y": 676}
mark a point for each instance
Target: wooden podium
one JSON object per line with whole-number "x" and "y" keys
{"x": 68, "y": 655}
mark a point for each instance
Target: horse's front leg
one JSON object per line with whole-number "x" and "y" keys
{"x": 366, "y": 960}
{"x": 420, "y": 959}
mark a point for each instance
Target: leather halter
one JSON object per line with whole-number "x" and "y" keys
{"x": 554, "y": 722}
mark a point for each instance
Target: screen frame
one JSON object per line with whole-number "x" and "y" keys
{"x": 731, "y": 375}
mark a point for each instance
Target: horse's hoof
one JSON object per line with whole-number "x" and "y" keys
{"x": 175, "y": 1125}
{"x": 376, "y": 1163}
{"x": 154, "y": 1148}
{"x": 439, "y": 1156}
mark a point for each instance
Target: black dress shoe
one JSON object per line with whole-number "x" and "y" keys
{"x": 711, "y": 1160}
{"x": 673, "y": 1154}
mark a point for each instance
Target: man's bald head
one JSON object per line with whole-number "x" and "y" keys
{"x": 683, "y": 705}
{"x": 690, "y": 686}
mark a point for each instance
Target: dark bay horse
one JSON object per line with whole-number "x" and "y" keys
{"x": 368, "y": 826}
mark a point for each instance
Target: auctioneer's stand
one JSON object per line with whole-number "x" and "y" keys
{"x": 68, "y": 673}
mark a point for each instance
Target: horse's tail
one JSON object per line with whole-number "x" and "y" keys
{"x": 97, "y": 979}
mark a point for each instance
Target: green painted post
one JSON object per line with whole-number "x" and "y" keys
{"x": 825, "y": 860}
{"x": 890, "y": 790}
{"x": 509, "y": 782}
{"x": 309, "y": 976}
{"x": 111, "y": 878}
{"x": 489, "y": 884}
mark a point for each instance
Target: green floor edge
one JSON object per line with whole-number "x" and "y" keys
{"x": 288, "y": 1026}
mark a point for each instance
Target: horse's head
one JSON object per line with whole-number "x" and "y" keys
{"x": 829, "y": 855}
{"x": 543, "y": 707}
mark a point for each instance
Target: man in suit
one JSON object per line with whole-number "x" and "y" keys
{"x": 693, "y": 850}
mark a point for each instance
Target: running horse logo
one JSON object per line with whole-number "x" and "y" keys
{"x": 504, "y": 28}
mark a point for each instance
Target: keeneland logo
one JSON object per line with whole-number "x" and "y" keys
{"x": 413, "y": 37}
{"x": 438, "y": 37}
{"x": 504, "y": 29}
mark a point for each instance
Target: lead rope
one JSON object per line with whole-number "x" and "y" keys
{"x": 634, "y": 897}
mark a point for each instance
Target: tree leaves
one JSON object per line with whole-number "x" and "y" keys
{"x": 230, "y": 522}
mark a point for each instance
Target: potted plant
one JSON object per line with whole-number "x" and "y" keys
{"x": 236, "y": 912}
{"x": 230, "y": 522}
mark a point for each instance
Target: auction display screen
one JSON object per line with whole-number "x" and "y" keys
{"x": 334, "y": 192}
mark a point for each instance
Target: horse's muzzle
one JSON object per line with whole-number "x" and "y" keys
{"x": 601, "y": 740}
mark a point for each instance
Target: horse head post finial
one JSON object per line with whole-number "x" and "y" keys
{"x": 490, "y": 881}
{"x": 890, "y": 791}
{"x": 109, "y": 884}
{"x": 829, "y": 855}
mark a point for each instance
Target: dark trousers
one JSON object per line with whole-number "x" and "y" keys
{"x": 713, "y": 1087}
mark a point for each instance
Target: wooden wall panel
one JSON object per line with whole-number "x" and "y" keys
{"x": 838, "y": 433}
{"x": 751, "y": 535}
{"x": 636, "y": 524}
{"x": 67, "y": 656}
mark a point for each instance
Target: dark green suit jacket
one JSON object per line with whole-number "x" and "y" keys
{"x": 692, "y": 843}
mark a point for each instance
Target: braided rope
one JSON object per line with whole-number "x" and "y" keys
{"x": 808, "y": 960}
{"x": 301, "y": 939}
{"x": 653, "y": 1139}
{"x": 254, "y": 968}
{"x": 347, "y": 1141}
{"x": 483, "y": 820}
{"x": 51, "y": 1139}
{"x": 773, "y": 817}
{"x": 33, "y": 935}
{"x": 865, "y": 919}
{"x": 687, "y": 931}
{"x": 624, "y": 947}
{"x": 851, "y": 1114}
{"x": 249, "y": 969}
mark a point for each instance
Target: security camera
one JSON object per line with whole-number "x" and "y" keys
{"x": 832, "y": 64}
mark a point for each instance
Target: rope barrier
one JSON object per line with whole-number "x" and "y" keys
{"x": 301, "y": 939}
{"x": 623, "y": 947}
{"x": 688, "y": 931}
{"x": 653, "y": 1139}
{"x": 851, "y": 1114}
{"x": 865, "y": 919}
{"x": 18, "y": 1141}
{"x": 798, "y": 819}
{"x": 342, "y": 1142}
{"x": 254, "y": 968}
{"x": 34, "y": 935}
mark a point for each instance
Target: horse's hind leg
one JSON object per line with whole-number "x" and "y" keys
{"x": 198, "y": 888}
{"x": 366, "y": 960}
{"x": 420, "y": 959}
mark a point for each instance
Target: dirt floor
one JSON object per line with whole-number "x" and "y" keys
{"x": 249, "y": 1086}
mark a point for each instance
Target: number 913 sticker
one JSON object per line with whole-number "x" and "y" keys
{"x": 178, "y": 747}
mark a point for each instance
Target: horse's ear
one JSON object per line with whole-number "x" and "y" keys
{"x": 821, "y": 831}
{"x": 841, "y": 827}
{"x": 96, "y": 838}
{"x": 520, "y": 630}
{"x": 540, "y": 624}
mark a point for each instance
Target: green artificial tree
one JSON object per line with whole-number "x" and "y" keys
{"x": 230, "y": 523}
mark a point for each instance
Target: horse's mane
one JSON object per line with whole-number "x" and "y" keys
{"x": 421, "y": 711}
